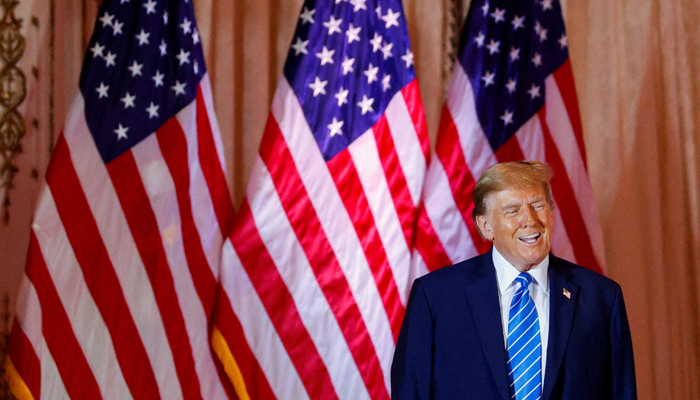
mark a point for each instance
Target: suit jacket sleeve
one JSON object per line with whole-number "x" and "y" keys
{"x": 622, "y": 357}
{"x": 411, "y": 370}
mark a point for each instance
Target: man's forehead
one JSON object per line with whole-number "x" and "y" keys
{"x": 513, "y": 196}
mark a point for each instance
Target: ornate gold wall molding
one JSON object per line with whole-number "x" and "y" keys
{"x": 13, "y": 89}
{"x": 453, "y": 18}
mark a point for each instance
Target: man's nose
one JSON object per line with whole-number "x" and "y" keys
{"x": 527, "y": 217}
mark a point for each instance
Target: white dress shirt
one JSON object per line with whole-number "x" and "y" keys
{"x": 539, "y": 290}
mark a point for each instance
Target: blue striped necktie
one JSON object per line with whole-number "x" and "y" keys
{"x": 524, "y": 344}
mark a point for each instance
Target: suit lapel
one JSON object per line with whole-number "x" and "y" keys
{"x": 563, "y": 298}
{"x": 482, "y": 297}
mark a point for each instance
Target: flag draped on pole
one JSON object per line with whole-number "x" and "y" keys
{"x": 316, "y": 271}
{"x": 511, "y": 97}
{"x": 125, "y": 245}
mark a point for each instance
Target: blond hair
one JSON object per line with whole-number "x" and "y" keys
{"x": 511, "y": 175}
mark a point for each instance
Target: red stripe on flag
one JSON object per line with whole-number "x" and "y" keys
{"x": 280, "y": 307}
{"x": 449, "y": 151}
{"x": 70, "y": 360}
{"x": 231, "y": 329}
{"x": 173, "y": 146}
{"x": 414, "y": 103}
{"x": 100, "y": 277}
{"x": 350, "y": 188}
{"x": 428, "y": 244}
{"x": 144, "y": 228}
{"x": 212, "y": 169}
{"x": 310, "y": 234}
{"x": 395, "y": 178}
{"x": 22, "y": 353}
{"x": 564, "y": 76}
{"x": 510, "y": 151}
{"x": 566, "y": 200}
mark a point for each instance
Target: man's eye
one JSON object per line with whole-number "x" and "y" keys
{"x": 511, "y": 212}
{"x": 538, "y": 207}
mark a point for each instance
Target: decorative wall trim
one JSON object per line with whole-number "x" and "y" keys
{"x": 13, "y": 89}
{"x": 5, "y": 318}
{"x": 453, "y": 17}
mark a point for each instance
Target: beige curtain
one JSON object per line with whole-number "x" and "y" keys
{"x": 637, "y": 69}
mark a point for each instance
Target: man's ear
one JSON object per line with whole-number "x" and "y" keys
{"x": 484, "y": 227}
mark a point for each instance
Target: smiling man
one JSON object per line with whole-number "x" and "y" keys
{"x": 516, "y": 322}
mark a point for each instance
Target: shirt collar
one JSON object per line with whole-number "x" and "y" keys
{"x": 506, "y": 272}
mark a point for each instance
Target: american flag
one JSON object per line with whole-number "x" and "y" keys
{"x": 316, "y": 271}
{"x": 124, "y": 253}
{"x": 511, "y": 97}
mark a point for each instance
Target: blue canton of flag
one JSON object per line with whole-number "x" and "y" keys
{"x": 347, "y": 61}
{"x": 508, "y": 49}
{"x": 143, "y": 66}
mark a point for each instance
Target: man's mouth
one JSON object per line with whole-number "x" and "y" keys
{"x": 530, "y": 239}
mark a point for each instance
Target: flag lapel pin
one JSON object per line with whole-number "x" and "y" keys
{"x": 567, "y": 293}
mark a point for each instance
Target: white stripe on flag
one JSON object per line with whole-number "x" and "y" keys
{"x": 160, "y": 189}
{"x": 205, "y": 86}
{"x": 85, "y": 319}
{"x": 408, "y": 147}
{"x": 564, "y": 138}
{"x": 441, "y": 207}
{"x": 365, "y": 157}
{"x": 116, "y": 236}
{"x": 280, "y": 240}
{"x": 202, "y": 206}
{"x": 460, "y": 101}
{"x": 258, "y": 329}
{"x": 334, "y": 219}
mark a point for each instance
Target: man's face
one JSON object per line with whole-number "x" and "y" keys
{"x": 519, "y": 223}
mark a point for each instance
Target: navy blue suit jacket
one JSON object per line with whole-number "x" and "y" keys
{"x": 451, "y": 344}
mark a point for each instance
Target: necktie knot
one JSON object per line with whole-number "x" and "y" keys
{"x": 524, "y": 279}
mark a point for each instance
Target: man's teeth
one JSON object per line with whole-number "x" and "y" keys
{"x": 531, "y": 238}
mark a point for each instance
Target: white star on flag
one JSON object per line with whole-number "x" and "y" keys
{"x": 152, "y": 111}
{"x": 135, "y": 69}
{"x": 186, "y": 26}
{"x": 359, "y": 5}
{"x": 353, "y": 33}
{"x": 121, "y": 132}
{"x": 386, "y": 50}
{"x": 335, "y": 127}
{"x": 97, "y": 50}
{"x": 493, "y": 47}
{"x": 537, "y": 60}
{"x": 498, "y": 15}
{"x": 408, "y": 58}
{"x": 142, "y": 37}
{"x": 307, "y": 16}
{"x": 365, "y": 104}
{"x": 507, "y": 118}
{"x": 347, "y": 65}
{"x": 385, "y": 82}
{"x": 163, "y": 48}
{"x": 102, "y": 90}
{"x": 563, "y": 41}
{"x": 376, "y": 42}
{"x": 128, "y": 100}
{"x": 150, "y": 7}
{"x": 117, "y": 26}
{"x": 106, "y": 19}
{"x": 183, "y": 57}
{"x": 158, "y": 78}
{"x": 514, "y": 54}
{"x": 333, "y": 25}
{"x": 391, "y": 18}
{"x": 371, "y": 73}
{"x": 488, "y": 78}
{"x": 326, "y": 56}
{"x": 546, "y": 5}
{"x": 480, "y": 40}
{"x": 511, "y": 85}
{"x": 518, "y": 22}
{"x": 179, "y": 88}
{"x": 300, "y": 46}
{"x": 485, "y": 8}
{"x": 534, "y": 91}
{"x": 319, "y": 86}
{"x": 110, "y": 59}
{"x": 342, "y": 96}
